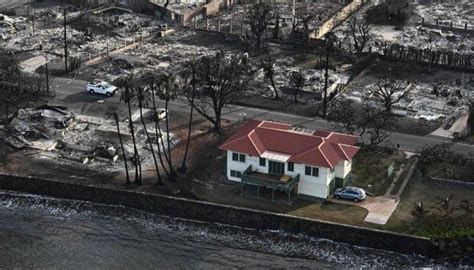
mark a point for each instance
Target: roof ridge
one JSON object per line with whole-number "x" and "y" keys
{"x": 253, "y": 143}
{"x": 246, "y": 135}
{"x": 322, "y": 152}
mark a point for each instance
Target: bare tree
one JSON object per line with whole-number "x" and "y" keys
{"x": 112, "y": 112}
{"x": 360, "y": 30}
{"x": 221, "y": 78}
{"x": 258, "y": 16}
{"x": 269, "y": 74}
{"x": 297, "y": 80}
{"x": 389, "y": 92}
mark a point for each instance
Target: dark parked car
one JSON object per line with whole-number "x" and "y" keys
{"x": 350, "y": 193}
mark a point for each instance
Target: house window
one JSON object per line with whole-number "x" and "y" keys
{"x": 235, "y": 174}
{"x": 291, "y": 166}
{"x": 311, "y": 171}
{"x": 235, "y": 157}
{"x": 262, "y": 162}
{"x": 241, "y": 157}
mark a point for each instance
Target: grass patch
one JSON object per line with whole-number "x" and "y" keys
{"x": 370, "y": 168}
{"x": 433, "y": 224}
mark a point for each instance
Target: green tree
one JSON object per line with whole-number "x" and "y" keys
{"x": 220, "y": 79}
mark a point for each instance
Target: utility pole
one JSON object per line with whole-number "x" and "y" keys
{"x": 47, "y": 76}
{"x": 65, "y": 37}
{"x": 329, "y": 48}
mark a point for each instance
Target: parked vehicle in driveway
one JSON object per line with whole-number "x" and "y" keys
{"x": 350, "y": 193}
{"x": 101, "y": 87}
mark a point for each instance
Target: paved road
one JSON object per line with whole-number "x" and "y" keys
{"x": 71, "y": 93}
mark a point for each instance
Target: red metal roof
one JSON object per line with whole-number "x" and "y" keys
{"x": 321, "y": 148}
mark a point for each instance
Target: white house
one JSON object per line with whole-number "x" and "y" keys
{"x": 281, "y": 157}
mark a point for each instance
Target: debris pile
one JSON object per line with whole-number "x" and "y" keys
{"x": 87, "y": 140}
{"x": 87, "y": 34}
{"x": 428, "y": 101}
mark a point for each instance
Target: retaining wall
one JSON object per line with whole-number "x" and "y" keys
{"x": 211, "y": 212}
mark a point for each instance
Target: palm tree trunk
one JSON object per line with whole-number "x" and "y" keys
{"x": 123, "y": 149}
{"x": 158, "y": 134}
{"x": 160, "y": 182}
{"x": 170, "y": 160}
{"x": 183, "y": 167}
{"x": 135, "y": 150}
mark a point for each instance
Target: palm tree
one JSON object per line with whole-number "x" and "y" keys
{"x": 192, "y": 65}
{"x": 168, "y": 91}
{"x": 113, "y": 113}
{"x": 126, "y": 96}
{"x": 153, "y": 82}
{"x": 142, "y": 98}
{"x": 445, "y": 205}
{"x": 419, "y": 211}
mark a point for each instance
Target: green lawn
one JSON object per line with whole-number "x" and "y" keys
{"x": 370, "y": 169}
{"x": 434, "y": 224}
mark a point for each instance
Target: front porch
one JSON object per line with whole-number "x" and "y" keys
{"x": 274, "y": 182}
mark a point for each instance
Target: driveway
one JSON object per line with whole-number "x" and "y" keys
{"x": 380, "y": 208}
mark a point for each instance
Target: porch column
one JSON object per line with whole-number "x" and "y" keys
{"x": 289, "y": 197}
{"x": 241, "y": 188}
{"x": 258, "y": 191}
{"x": 273, "y": 195}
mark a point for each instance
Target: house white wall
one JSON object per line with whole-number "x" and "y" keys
{"x": 315, "y": 186}
{"x": 343, "y": 168}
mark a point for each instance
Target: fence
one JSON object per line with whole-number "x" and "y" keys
{"x": 425, "y": 56}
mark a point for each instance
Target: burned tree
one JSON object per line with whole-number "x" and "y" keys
{"x": 258, "y": 16}
{"x": 297, "y": 80}
{"x": 112, "y": 112}
{"x": 142, "y": 99}
{"x": 127, "y": 96}
{"x": 360, "y": 30}
{"x": 269, "y": 74}
{"x": 189, "y": 76}
{"x": 389, "y": 92}
{"x": 153, "y": 82}
{"x": 168, "y": 91}
{"x": 330, "y": 39}
{"x": 221, "y": 78}
{"x": 19, "y": 89}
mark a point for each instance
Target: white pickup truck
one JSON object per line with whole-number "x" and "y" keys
{"x": 101, "y": 87}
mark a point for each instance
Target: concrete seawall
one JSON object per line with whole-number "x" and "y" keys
{"x": 211, "y": 212}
